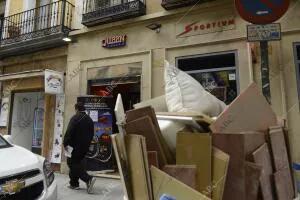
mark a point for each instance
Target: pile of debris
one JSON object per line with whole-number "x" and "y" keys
{"x": 241, "y": 154}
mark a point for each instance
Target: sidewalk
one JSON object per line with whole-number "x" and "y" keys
{"x": 104, "y": 189}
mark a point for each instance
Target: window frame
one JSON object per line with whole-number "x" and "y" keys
{"x": 297, "y": 66}
{"x": 215, "y": 69}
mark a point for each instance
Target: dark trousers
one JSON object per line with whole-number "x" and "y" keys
{"x": 77, "y": 171}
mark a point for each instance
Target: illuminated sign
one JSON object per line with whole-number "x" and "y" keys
{"x": 115, "y": 41}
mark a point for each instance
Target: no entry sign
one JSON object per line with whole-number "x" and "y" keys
{"x": 262, "y": 11}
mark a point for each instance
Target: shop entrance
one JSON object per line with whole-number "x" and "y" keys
{"x": 128, "y": 87}
{"x": 27, "y": 120}
{"x": 216, "y": 72}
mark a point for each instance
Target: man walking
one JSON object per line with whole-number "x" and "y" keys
{"x": 79, "y": 135}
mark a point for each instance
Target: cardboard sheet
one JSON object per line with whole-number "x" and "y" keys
{"x": 195, "y": 149}
{"x": 165, "y": 184}
{"x": 284, "y": 186}
{"x": 220, "y": 163}
{"x": 250, "y": 111}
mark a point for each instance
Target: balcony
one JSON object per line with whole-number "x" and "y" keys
{"x": 97, "y": 12}
{"x": 173, "y": 4}
{"x": 36, "y": 29}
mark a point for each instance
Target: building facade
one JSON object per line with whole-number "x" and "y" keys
{"x": 126, "y": 42}
{"x": 33, "y": 57}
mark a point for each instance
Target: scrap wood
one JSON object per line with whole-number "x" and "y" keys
{"x": 284, "y": 185}
{"x": 253, "y": 173}
{"x": 149, "y": 111}
{"x": 165, "y": 184}
{"x": 187, "y": 174}
{"x": 195, "y": 149}
{"x": 138, "y": 167}
{"x": 144, "y": 126}
{"x": 238, "y": 146}
{"x": 262, "y": 157}
{"x": 122, "y": 167}
{"x": 250, "y": 111}
{"x": 153, "y": 158}
{"x": 220, "y": 162}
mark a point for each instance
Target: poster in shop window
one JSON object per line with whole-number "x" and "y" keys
{"x": 4, "y": 112}
{"x": 100, "y": 109}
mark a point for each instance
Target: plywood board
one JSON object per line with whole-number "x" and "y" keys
{"x": 262, "y": 157}
{"x": 239, "y": 146}
{"x": 144, "y": 126}
{"x": 279, "y": 151}
{"x": 197, "y": 116}
{"x": 284, "y": 186}
{"x": 250, "y": 111}
{"x": 165, "y": 184}
{"x": 253, "y": 174}
{"x": 153, "y": 158}
{"x": 186, "y": 174}
{"x": 195, "y": 149}
{"x": 137, "y": 167}
{"x": 220, "y": 162}
{"x": 148, "y": 111}
{"x": 122, "y": 167}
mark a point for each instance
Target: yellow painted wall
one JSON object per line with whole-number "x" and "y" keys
{"x": 16, "y": 6}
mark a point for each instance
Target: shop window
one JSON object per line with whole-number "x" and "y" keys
{"x": 297, "y": 62}
{"x": 217, "y": 73}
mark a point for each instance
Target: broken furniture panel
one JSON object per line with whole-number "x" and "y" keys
{"x": 187, "y": 174}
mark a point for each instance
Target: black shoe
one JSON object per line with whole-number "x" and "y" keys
{"x": 73, "y": 187}
{"x": 90, "y": 185}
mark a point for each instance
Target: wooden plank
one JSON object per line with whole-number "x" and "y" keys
{"x": 253, "y": 174}
{"x": 284, "y": 186}
{"x": 279, "y": 151}
{"x": 110, "y": 176}
{"x": 165, "y": 184}
{"x": 153, "y": 158}
{"x": 144, "y": 126}
{"x": 137, "y": 167}
{"x": 148, "y": 111}
{"x": 147, "y": 167}
{"x": 262, "y": 157}
{"x": 250, "y": 111}
{"x": 220, "y": 162}
{"x": 197, "y": 116}
{"x": 195, "y": 149}
{"x": 122, "y": 167}
{"x": 239, "y": 146}
{"x": 184, "y": 173}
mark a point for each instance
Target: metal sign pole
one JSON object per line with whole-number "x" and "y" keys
{"x": 265, "y": 70}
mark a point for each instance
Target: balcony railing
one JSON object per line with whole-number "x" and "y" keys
{"x": 97, "y": 12}
{"x": 173, "y": 4}
{"x": 36, "y": 25}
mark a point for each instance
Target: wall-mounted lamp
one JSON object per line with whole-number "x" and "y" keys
{"x": 155, "y": 27}
{"x": 67, "y": 39}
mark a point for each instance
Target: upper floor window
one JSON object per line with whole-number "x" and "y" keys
{"x": 297, "y": 62}
{"x": 2, "y": 8}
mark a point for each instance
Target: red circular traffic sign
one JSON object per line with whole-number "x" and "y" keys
{"x": 262, "y": 11}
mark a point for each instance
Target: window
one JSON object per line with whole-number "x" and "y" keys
{"x": 297, "y": 62}
{"x": 216, "y": 72}
{"x": 2, "y": 7}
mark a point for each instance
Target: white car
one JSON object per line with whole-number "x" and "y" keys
{"x": 24, "y": 175}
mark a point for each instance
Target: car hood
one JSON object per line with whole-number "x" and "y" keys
{"x": 17, "y": 159}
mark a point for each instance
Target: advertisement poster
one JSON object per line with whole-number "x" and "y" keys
{"x": 4, "y": 112}
{"x": 58, "y": 129}
{"x": 54, "y": 82}
{"x": 100, "y": 109}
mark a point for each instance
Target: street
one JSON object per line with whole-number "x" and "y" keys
{"x": 104, "y": 189}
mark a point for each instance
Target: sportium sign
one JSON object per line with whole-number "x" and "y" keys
{"x": 199, "y": 27}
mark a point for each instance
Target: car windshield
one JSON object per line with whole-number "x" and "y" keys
{"x": 3, "y": 143}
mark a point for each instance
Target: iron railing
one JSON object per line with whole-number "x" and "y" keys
{"x": 104, "y": 11}
{"x": 36, "y": 23}
{"x": 173, "y": 4}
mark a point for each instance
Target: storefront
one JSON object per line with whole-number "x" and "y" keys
{"x": 32, "y": 103}
{"x": 209, "y": 43}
